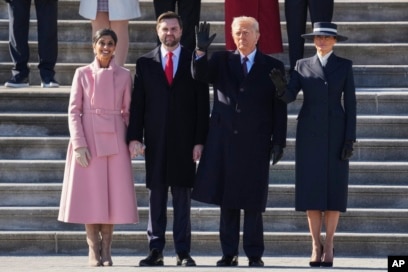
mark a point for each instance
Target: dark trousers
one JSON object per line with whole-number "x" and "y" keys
{"x": 189, "y": 11}
{"x": 19, "y": 15}
{"x": 296, "y": 17}
{"x": 253, "y": 240}
{"x": 181, "y": 218}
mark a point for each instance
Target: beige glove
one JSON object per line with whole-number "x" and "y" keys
{"x": 82, "y": 156}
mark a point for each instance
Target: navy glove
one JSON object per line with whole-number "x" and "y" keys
{"x": 276, "y": 154}
{"x": 279, "y": 81}
{"x": 347, "y": 150}
{"x": 203, "y": 39}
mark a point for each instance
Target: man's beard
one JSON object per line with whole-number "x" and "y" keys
{"x": 171, "y": 43}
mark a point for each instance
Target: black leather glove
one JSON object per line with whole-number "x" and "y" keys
{"x": 276, "y": 154}
{"x": 347, "y": 150}
{"x": 279, "y": 81}
{"x": 203, "y": 39}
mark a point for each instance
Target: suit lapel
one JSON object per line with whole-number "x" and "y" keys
{"x": 157, "y": 64}
{"x": 332, "y": 64}
{"x": 184, "y": 60}
{"x": 259, "y": 62}
{"x": 234, "y": 63}
{"x": 316, "y": 67}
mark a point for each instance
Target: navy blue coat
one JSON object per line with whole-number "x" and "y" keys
{"x": 246, "y": 121}
{"x": 324, "y": 124}
{"x": 169, "y": 119}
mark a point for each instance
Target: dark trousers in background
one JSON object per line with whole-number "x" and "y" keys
{"x": 19, "y": 15}
{"x": 158, "y": 219}
{"x": 189, "y": 11}
{"x": 296, "y": 17}
{"x": 253, "y": 240}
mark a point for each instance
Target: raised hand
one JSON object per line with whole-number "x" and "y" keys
{"x": 203, "y": 39}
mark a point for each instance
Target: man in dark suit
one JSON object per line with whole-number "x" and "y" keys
{"x": 169, "y": 116}
{"x": 296, "y": 17}
{"x": 247, "y": 127}
{"x": 189, "y": 11}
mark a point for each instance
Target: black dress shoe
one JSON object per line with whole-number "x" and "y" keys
{"x": 256, "y": 262}
{"x": 228, "y": 261}
{"x": 155, "y": 258}
{"x": 185, "y": 260}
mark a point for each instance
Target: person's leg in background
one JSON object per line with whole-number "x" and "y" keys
{"x": 19, "y": 19}
{"x": 47, "y": 20}
{"x": 189, "y": 11}
{"x": 296, "y": 16}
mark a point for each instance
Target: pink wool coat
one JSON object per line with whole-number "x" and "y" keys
{"x": 98, "y": 115}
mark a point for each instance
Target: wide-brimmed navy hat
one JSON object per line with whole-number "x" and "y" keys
{"x": 324, "y": 29}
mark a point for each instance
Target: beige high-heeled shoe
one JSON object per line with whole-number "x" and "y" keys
{"x": 106, "y": 242}
{"x": 92, "y": 238}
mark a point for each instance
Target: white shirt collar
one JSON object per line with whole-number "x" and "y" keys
{"x": 176, "y": 52}
{"x": 250, "y": 57}
{"x": 323, "y": 59}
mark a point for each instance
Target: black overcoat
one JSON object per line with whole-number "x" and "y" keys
{"x": 169, "y": 120}
{"x": 324, "y": 123}
{"x": 246, "y": 121}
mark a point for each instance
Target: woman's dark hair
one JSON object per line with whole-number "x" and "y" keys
{"x": 105, "y": 32}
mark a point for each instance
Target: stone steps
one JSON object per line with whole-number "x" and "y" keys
{"x": 47, "y": 195}
{"x": 206, "y": 219}
{"x": 34, "y": 136}
{"x": 370, "y": 101}
{"x": 56, "y": 124}
{"x": 360, "y": 53}
{"x": 203, "y": 243}
{"x": 344, "y": 10}
{"x": 144, "y": 31}
{"x": 361, "y": 173}
{"x": 365, "y": 76}
{"x": 54, "y": 148}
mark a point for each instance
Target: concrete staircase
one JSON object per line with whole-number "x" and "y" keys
{"x": 34, "y": 136}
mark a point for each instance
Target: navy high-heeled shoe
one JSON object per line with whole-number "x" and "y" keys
{"x": 316, "y": 263}
{"x": 327, "y": 264}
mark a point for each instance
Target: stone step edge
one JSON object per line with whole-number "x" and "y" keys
{"x": 215, "y": 210}
{"x": 361, "y": 164}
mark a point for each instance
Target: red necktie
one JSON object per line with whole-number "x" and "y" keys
{"x": 168, "y": 68}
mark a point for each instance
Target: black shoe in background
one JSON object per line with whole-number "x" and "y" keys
{"x": 17, "y": 82}
{"x": 255, "y": 262}
{"x": 155, "y": 258}
{"x": 185, "y": 259}
{"x": 228, "y": 261}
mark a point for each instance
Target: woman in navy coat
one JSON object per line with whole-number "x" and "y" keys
{"x": 325, "y": 134}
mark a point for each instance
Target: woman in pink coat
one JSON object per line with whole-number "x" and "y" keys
{"x": 266, "y": 12}
{"x": 98, "y": 188}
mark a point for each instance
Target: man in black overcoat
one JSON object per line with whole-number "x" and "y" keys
{"x": 247, "y": 127}
{"x": 169, "y": 118}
